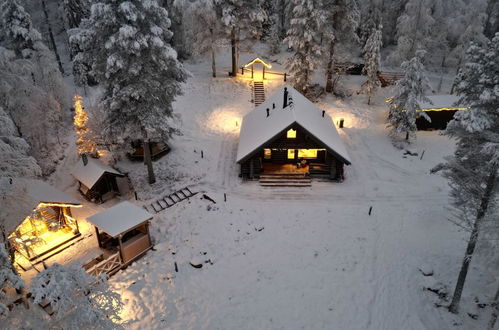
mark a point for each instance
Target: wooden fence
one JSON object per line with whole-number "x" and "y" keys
{"x": 106, "y": 266}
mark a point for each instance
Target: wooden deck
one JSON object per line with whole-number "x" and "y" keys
{"x": 269, "y": 168}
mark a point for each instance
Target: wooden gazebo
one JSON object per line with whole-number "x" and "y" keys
{"x": 251, "y": 66}
{"x": 123, "y": 233}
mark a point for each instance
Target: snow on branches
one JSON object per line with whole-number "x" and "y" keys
{"x": 372, "y": 54}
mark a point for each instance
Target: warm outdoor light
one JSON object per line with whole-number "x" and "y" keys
{"x": 291, "y": 134}
{"x": 258, "y": 60}
{"x": 84, "y": 145}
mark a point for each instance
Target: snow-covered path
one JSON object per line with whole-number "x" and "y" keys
{"x": 294, "y": 258}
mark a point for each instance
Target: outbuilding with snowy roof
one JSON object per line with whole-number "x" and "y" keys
{"x": 97, "y": 181}
{"x": 441, "y": 111}
{"x": 288, "y": 134}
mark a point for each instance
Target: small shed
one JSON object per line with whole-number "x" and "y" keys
{"x": 123, "y": 231}
{"x": 288, "y": 134}
{"x": 158, "y": 149}
{"x": 441, "y": 111}
{"x": 97, "y": 182}
{"x": 36, "y": 217}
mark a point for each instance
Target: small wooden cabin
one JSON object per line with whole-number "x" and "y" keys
{"x": 158, "y": 149}
{"x": 123, "y": 232}
{"x": 97, "y": 182}
{"x": 288, "y": 134}
{"x": 36, "y": 217}
{"x": 441, "y": 111}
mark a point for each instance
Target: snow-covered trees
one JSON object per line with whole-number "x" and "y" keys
{"x": 15, "y": 160}
{"x": 8, "y": 278}
{"x": 206, "y": 30}
{"x": 241, "y": 19}
{"x": 372, "y": 51}
{"x": 303, "y": 36}
{"x": 78, "y": 299}
{"x": 32, "y": 91}
{"x": 408, "y": 93}
{"x": 125, "y": 46}
{"x": 75, "y": 11}
{"x": 414, "y": 28}
{"x": 473, "y": 169}
{"x": 85, "y": 139}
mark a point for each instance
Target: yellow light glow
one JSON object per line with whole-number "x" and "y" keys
{"x": 291, "y": 134}
{"x": 258, "y": 60}
{"x": 267, "y": 153}
{"x": 308, "y": 153}
{"x": 390, "y": 99}
{"x": 83, "y": 141}
{"x": 59, "y": 205}
{"x": 291, "y": 153}
{"x": 223, "y": 121}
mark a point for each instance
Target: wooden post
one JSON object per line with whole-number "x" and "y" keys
{"x": 148, "y": 161}
{"x": 121, "y": 249}
{"x": 252, "y": 71}
{"x": 98, "y": 237}
{"x": 284, "y": 76}
{"x": 263, "y": 73}
{"x": 242, "y": 70}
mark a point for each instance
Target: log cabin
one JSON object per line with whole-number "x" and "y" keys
{"x": 441, "y": 111}
{"x": 36, "y": 218}
{"x": 97, "y": 181}
{"x": 288, "y": 134}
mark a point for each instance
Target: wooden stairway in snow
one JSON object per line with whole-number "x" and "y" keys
{"x": 258, "y": 93}
{"x": 285, "y": 180}
{"x": 170, "y": 200}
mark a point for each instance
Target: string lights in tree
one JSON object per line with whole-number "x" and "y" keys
{"x": 84, "y": 141}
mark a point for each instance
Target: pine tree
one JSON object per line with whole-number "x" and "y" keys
{"x": 414, "y": 29}
{"x": 8, "y": 278}
{"x": 78, "y": 299}
{"x": 137, "y": 68}
{"x": 238, "y": 17}
{"x": 372, "y": 55}
{"x": 75, "y": 11}
{"x": 303, "y": 36}
{"x": 473, "y": 169}
{"x": 408, "y": 93}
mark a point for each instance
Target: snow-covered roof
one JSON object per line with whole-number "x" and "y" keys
{"x": 91, "y": 173}
{"x": 442, "y": 102}
{"x": 257, "y": 129}
{"x": 19, "y": 199}
{"x": 120, "y": 218}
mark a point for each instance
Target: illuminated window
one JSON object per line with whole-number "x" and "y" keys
{"x": 291, "y": 153}
{"x": 291, "y": 134}
{"x": 267, "y": 153}
{"x": 307, "y": 153}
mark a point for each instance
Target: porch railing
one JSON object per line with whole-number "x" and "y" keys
{"x": 106, "y": 266}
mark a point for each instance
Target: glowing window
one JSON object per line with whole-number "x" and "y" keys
{"x": 267, "y": 153}
{"x": 291, "y": 153}
{"x": 291, "y": 134}
{"x": 307, "y": 153}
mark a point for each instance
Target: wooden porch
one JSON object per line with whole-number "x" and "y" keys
{"x": 271, "y": 168}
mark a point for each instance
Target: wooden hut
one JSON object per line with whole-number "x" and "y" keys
{"x": 36, "y": 217}
{"x": 97, "y": 182}
{"x": 441, "y": 111}
{"x": 288, "y": 134}
{"x": 158, "y": 149}
{"x": 123, "y": 232}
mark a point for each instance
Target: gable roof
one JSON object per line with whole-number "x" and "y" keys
{"x": 19, "y": 199}
{"x": 91, "y": 173}
{"x": 120, "y": 218}
{"x": 257, "y": 129}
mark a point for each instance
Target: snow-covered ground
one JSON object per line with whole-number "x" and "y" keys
{"x": 292, "y": 258}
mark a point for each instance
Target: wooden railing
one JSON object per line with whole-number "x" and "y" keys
{"x": 106, "y": 266}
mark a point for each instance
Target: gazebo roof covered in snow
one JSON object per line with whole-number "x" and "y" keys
{"x": 442, "y": 102}
{"x": 257, "y": 128}
{"x": 91, "y": 173}
{"x": 120, "y": 218}
{"x": 19, "y": 198}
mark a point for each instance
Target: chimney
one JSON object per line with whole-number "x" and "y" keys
{"x": 323, "y": 112}
{"x": 268, "y": 112}
{"x": 285, "y": 103}
{"x": 84, "y": 159}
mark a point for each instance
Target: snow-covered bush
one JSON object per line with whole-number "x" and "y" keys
{"x": 8, "y": 278}
{"x": 78, "y": 299}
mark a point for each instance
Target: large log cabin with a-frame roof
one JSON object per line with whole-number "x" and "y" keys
{"x": 289, "y": 134}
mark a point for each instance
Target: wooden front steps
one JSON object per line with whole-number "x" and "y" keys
{"x": 258, "y": 93}
{"x": 169, "y": 200}
{"x": 285, "y": 180}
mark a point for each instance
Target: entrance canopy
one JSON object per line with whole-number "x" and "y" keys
{"x": 120, "y": 218}
{"x": 257, "y": 60}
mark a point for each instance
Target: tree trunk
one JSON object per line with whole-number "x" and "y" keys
{"x": 369, "y": 99}
{"x": 233, "y": 44}
{"x": 495, "y": 311}
{"x": 213, "y": 63}
{"x": 329, "y": 69}
{"x": 470, "y": 249}
{"x": 51, "y": 35}
{"x": 148, "y": 161}
{"x": 407, "y": 136}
